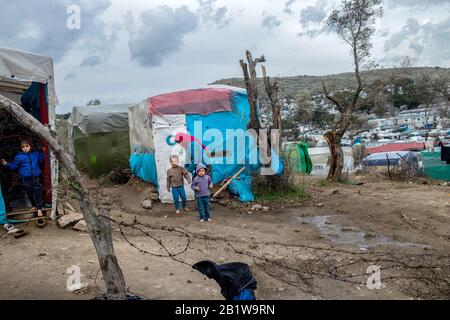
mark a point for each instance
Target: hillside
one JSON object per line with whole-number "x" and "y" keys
{"x": 292, "y": 85}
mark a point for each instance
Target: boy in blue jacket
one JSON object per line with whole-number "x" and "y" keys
{"x": 28, "y": 164}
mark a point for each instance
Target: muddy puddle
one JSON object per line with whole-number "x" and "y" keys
{"x": 351, "y": 235}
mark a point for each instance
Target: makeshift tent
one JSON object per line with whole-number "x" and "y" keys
{"x": 320, "y": 158}
{"x": 28, "y": 79}
{"x": 201, "y": 125}
{"x": 434, "y": 167}
{"x": 390, "y": 147}
{"x": 298, "y": 157}
{"x": 392, "y": 159}
{"x": 99, "y": 137}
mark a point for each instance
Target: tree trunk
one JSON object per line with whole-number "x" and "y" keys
{"x": 99, "y": 227}
{"x": 333, "y": 139}
{"x": 250, "y": 78}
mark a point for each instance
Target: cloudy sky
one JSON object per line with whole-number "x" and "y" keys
{"x": 127, "y": 50}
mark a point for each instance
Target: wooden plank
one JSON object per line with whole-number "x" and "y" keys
{"x": 25, "y": 212}
{"x": 228, "y": 182}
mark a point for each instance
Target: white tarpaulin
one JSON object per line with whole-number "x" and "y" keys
{"x": 141, "y": 133}
{"x": 164, "y": 130}
{"x": 24, "y": 66}
{"x": 320, "y": 160}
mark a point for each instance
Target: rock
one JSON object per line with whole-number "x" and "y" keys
{"x": 265, "y": 209}
{"x": 320, "y": 205}
{"x": 60, "y": 209}
{"x": 334, "y": 192}
{"x": 80, "y": 226}
{"x": 122, "y": 216}
{"x": 256, "y": 206}
{"x": 369, "y": 235}
{"x": 69, "y": 219}
{"x": 147, "y": 204}
{"x": 189, "y": 281}
{"x": 42, "y": 254}
{"x": 69, "y": 206}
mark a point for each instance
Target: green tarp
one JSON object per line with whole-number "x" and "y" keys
{"x": 100, "y": 153}
{"x": 298, "y": 157}
{"x": 433, "y": 166}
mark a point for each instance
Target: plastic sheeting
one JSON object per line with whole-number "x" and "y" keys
{"x": 158, "y": 133}
{"x": 3, "y": 218}
{"x": 197, "y": 101}
{"x": 164, "y": 130}
{"x": 320, "y": 160}
{"x": 99, "y": 138}
{"x": 434, "y": 167}
{"x": 299, "y": 159}
{"x": 243, "y": 188}
{"x": 97, "y": 119}
{"x": 141, "y": 133}
{"x": 26, "y": 66}
{"x": 391, "y": 158}
{"x": 144, "y": 167}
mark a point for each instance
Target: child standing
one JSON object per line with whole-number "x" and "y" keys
{"x": 202, "y": 184}
{"x": 175, "y": 176}
{"x": 28, "y": 164}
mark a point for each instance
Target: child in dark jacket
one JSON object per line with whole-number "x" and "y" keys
{"x": 202, "y": 184}
{"x": 28, "y": 164}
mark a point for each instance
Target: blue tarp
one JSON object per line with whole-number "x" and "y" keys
{"x": 239, "y": 154}
{"x": 3, "y": 218}
{"x": 224, "y": 166}
{"x": 144, "y": 167}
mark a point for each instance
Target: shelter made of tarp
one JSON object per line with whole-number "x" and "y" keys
{"x": 27, "y": 77}
{"x": 176, "y": 123}
{"x": 320, "y": 158}
{"x": 99, "y": 137}
{"x": 391, "y": 147}
{"x": 393, "y": 158}
{"x": 22, "y": 66}
{"x": 434, "y": 167}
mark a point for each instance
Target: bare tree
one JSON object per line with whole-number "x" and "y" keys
{"x": 250, "y": 78}
{"x": 99, "y": 226}
{"x": 354, "y": 23}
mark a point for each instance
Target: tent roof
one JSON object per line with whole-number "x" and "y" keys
{"x": 103, "y": 118}
{"x": 397, "y": 147}
{"x": 26, "y": 66}
{"x": 196, "y": 101}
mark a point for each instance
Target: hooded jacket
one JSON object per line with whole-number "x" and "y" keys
{"x": 202, "y": 182}
{"x": 28, "y": 164}
{"x": 231, "y": 277}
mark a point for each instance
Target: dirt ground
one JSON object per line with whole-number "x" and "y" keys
{"x": 318, "y": 247}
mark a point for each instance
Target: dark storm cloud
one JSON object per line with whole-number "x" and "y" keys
{"x": 159, "y": 33}
{"x": 313, "y": 19}
{"x": 428, "y": 42}
{"x": 40, "y": 26}
{"x": 210, "y": 13}
{"x": 288, "y": 7}
{"x": 270, "y": 21}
